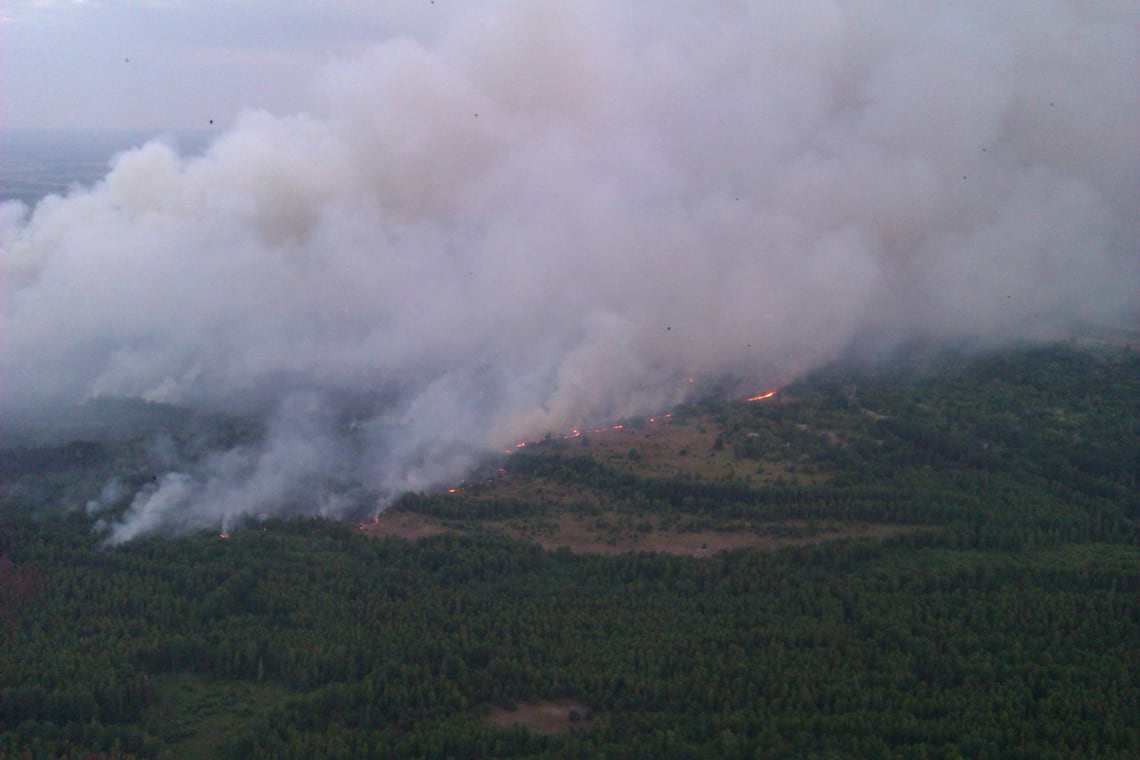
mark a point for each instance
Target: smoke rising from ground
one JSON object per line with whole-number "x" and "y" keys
{"x": 559, "y": 212}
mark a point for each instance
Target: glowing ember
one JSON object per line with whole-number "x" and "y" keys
{"x": 762, "y": 396}
{"x": 451, "y": 490}
{"x": 223, "y": 534}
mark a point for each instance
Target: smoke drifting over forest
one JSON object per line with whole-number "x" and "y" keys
{"x": 557, "y": 213}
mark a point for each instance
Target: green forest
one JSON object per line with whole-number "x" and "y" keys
{"x": 998, "y": 618}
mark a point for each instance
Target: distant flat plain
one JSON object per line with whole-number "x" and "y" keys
{"x": 35, "y": 163}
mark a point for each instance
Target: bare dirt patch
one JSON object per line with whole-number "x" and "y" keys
{"x": 612, "y": 533}
{"x": 546, "y": 718}
{"x": 406, "y": 525}
{"x": 618, "y": 533}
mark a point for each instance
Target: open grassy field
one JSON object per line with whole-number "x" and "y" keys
{"x": 584, "y": 517}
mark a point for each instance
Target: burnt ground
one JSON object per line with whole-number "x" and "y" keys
{"x": 583, "y": 519}
{"x": 665, "y": 446}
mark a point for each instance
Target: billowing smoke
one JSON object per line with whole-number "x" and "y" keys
{"x": 556, "y": 213}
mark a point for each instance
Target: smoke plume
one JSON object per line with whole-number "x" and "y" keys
{"x": 557, "y": 213}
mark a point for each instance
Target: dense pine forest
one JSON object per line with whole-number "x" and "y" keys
{"x": 994, "y": 612}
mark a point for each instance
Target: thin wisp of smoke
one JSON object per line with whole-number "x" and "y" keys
{"x": 557, "y": 213}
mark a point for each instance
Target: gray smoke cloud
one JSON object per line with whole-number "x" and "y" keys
{"x": 557, "y": 213}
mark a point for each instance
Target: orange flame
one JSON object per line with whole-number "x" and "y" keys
{"x": 762, "y": 396}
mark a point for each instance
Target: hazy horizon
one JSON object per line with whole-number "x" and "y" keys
{"x": 37, "y": 162}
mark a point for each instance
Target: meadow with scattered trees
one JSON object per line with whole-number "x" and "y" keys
{"x": 1000, "y": 620}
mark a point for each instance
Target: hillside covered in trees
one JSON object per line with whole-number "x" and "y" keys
{"x": 943, "y": 562}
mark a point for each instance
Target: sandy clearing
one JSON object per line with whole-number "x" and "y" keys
{"x": 545, "y": 718}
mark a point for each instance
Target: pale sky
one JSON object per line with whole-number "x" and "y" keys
{"x": 180, "y": 63}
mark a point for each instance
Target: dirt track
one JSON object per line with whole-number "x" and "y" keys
{"x": 595, "y": 534}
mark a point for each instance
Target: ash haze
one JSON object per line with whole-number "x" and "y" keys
{"x": 533, "y": 216}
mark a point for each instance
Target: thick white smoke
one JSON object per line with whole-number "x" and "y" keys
{"x": 559, "y": 211}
